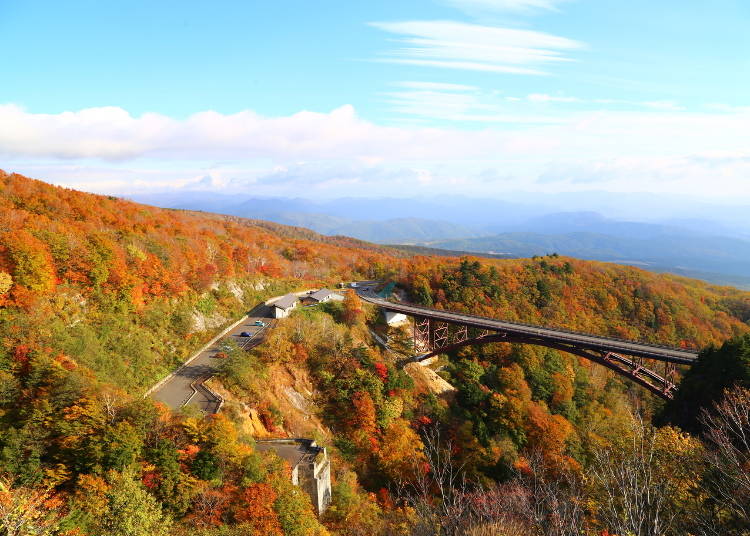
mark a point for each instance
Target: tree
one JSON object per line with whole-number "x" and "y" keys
{"x": 421, "y": 291}
{"x": 727, "y": 430}
{"x": 401, "y": 449}
{"x": 6, "y": 282}
{"x": 363, "y": 421}
{"x": 437, "y": 490}
{"x": 32, "y": 263}
{"x": 28, "y": 511}
{"x": 550, "y": 501}
{"x": 642, "y": 485}
{"x": 353, "y": 313}
{"x": 258, "y": 509}
{"x": 295, "y": 512}
{"x": 132, "y": 511}
{"x": 705, "y": 382}
{"x": 352, "y": 512}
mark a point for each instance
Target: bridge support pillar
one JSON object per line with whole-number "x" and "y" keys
{"x": 440, "y": 335}
{"x": 422, "y": 335}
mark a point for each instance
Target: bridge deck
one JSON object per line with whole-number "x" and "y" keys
{"x": 581, "y": 340}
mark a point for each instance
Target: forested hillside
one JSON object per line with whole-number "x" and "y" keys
{"x": 101, "y": 297}
{"x": 593, "y": 297}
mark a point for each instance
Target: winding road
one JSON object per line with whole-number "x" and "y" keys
{"x": 185, "y": 386}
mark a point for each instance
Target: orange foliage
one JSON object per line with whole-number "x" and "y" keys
{"x": 99, "y": 243}
{"x": 257, "y": 510}
{"x": 362, "y": 423}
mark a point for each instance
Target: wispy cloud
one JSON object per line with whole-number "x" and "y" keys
{"x": 543, "y": 97}
{"x": 435, "y": 86}
{"x": 455, "y": 102}
{"x": 458, "y": 45}
{"x": 663, "y": 105}
{"x": 518, "y": 6}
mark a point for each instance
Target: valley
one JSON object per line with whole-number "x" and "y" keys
{"x": 708, "y": 248}
{"x": 429, "y": 268}
{"x": 531, "y": 373}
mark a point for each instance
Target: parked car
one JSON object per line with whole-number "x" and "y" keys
{"x": 246, "y": 334}
{"x": 221, "y": 355}
{"x": 260, "y": 323}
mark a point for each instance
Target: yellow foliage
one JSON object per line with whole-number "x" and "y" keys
{"x": 402, "y": 450}
{"x": 6, "y": 282}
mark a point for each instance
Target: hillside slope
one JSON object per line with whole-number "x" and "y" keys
{"x": 100, "y": 297}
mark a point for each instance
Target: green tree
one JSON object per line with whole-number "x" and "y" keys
{"x": 422, "y": 292}
{"x": 295, "y": 512}
{"x": 704, "y": 383}
{"x": 132, "y": 511}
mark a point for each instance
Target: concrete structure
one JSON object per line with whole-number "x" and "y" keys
{"x": 321, "y": 296}
{"x": 284, "y": 305}
{"x": 393, "y": 318}
{"x": 311, "y": 467}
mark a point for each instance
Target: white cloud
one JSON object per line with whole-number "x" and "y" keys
{"x": 113, "y": 134}
{"x": 505, "y": 5}
{"x": 646, "y": 150}
{"x": 458, "y": 45}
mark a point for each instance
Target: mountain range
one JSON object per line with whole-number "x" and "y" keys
{"x": 704, "y": 246}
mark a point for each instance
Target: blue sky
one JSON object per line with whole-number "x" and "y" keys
{"x": 339, "y": 96}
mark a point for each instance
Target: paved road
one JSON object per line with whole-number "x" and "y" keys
{"x": 583, "y": 340}
{"x": 178, "y": 389}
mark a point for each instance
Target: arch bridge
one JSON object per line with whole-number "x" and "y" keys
{"x": 437, "y": 331}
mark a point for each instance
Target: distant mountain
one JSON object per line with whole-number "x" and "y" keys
{"x": 588, "y": 222}
{"x": 680, "y": 252}
{"x": 434, "y": 252}
{"x": 462, "y": 211}
{"x": 712, "y": 250}
{"x": 517, "y": 211}
{"x": 405, "y": 230}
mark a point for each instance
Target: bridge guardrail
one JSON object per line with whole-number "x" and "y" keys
{"x": 377, "y": 301}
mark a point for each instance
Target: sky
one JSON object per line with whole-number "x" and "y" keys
{"x": 338, "y": 98}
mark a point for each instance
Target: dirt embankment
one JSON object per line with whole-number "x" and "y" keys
{"x": 286, "y": 407}
{"x": 427, "y": 380}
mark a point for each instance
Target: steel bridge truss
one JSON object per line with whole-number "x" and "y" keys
{"x": 433, "y": 337}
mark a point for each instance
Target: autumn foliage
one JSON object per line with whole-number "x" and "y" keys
{"x": 100, "y": 297}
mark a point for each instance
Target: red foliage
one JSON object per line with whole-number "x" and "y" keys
{"x": 97, "y": 244}
{"x": 422, "y": 421}
{"x": 66, "y": 362}
{"x": 21, "y": 354}
{"x": 382, "y": 371}
{"x": 385, "y": 500}
{"x": 257, "y": 509}
{"x": 300, "y": 353}
{"x": 150, "y": 479}
{"x": 267, "y": 419}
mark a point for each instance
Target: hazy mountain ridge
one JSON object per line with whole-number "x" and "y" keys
{"x": 720, "y": 255}
{"x": 99, "y": 298}
{"x": 716, "y": 251}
